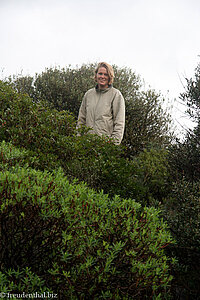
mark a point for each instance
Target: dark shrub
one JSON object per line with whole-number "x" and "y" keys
{"x": 146, "y": 119}
{"x": 82, "y": 244}
{"x": 35, "y": 127}
{"x": 21, "y": 283}
{"x": 51, "y": 140}
{"x": 182, "y": 211}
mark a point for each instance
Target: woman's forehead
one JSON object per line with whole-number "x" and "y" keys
{"x": 102, "y": 70}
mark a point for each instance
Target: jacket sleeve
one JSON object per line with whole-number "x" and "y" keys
{"x": 82, "y": 113}
{"x": 118, "y": 118}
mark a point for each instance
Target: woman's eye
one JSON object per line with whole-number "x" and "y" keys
{"x": 103, "y": 74}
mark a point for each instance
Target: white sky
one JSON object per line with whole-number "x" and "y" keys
{"x": 157, "y": 39}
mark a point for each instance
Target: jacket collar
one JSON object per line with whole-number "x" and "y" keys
{"x": 104, "y": 90}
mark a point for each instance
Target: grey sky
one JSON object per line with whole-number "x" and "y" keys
{"x": 157, "y": 39}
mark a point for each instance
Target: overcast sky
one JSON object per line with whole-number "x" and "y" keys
{"x": 157, "y": 39}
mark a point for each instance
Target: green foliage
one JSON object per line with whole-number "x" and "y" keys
{"x": 185, "y": 156}
{"x": 103, "y": 166}
{"x": 146, "y": 120}
{"x": 62, "y": 88}
{"x": 24, "y": 85}
{"x": 50, "y": 140}
{"x": 10, "y": 156}
{"x": 79, "y": 243}
{"x": 89, "y": 244}
{"x": 19, "y": 113}
{"x": 182, "y": 211}
{"x": 153, "y": 171}
{"x": 21, "y": 282}
{"x": 34, "y": 126}
{"x": 191, "y": 96}
{"x": 27, "y": 208}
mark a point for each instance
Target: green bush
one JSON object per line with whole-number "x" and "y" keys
{"x": 35, "y": 126}
{"x": 104, "y": 166}
{"x": 80, "y": 243}
{"x": 101, "y": 164}
{"x": 20, "y": 283}
{"x": 182, "y": 211}
{"x": 29, "y": 123}
{"x": 185, "y": 154}
{"x": 10, "y": 156}
{"x": 146, "y": 120}
{"x": 184, "y": 158}
{"x": 51, "y": 141}
{"x": 84, "y": 244}
{"x": 154, "y": 173}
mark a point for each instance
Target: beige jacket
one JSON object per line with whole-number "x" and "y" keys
{"x": 104, "y": 112}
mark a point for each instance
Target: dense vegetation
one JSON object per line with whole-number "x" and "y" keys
{"x": 146, "y": 120}
{"x": 84, "y": 218}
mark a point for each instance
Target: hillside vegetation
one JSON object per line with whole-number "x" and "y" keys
{"x": 86, "y": 219}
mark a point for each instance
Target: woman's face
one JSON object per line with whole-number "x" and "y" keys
{"x": 102, "y": 78}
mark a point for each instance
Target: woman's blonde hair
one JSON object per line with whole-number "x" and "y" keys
{"x": 109, "y": 70}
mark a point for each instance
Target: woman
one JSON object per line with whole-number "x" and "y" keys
{"x": 103, "y": 107}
